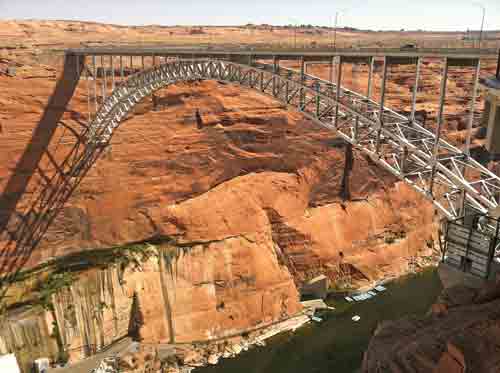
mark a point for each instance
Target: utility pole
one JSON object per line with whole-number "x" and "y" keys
{"x": 330, "y": 32}
{"x": 482, "y": 23}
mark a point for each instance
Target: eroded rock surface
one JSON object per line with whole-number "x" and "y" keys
{"x": 460, "y": 334}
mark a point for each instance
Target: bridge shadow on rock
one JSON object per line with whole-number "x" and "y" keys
{"x": 22, "y": 225}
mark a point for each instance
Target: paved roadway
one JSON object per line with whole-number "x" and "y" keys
{"x": 312, "y": 54}
{"x": 92, "y": 362}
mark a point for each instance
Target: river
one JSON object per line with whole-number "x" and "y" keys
{"x": 336, "y": 344}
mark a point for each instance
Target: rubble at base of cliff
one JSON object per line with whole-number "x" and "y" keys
{"x": 185, "y": 358}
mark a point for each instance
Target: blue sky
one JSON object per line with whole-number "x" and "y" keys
{"x": 441, "y": 15}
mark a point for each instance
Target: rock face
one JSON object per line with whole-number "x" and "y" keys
{"x": 27, "y": 333}
{"x": 227, "y": 270}
{"x": 462, "y": 334}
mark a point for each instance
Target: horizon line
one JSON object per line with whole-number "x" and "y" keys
{"x": 350, "y": 28}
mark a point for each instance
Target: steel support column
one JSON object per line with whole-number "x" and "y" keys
{"x": 275, "y": 71}
{"x": 415, "y": 92}
{"x": 381, "y": 107}
{"x": 470, "y": 122}
{"x": 318, "y": 99}
{"x": 103, "y": 79}
{"x": 77, "y": 70}
{"x": 472, "y": 107}
{"x": 94, "y": 67}
{"x": 121, "y": 68}
{"x": 87, "y": 75}
{"x": 337, "y": 92}
{"x": 112, "y": 72}
{"x": 356, "y": 129}
{"x": 302, "y": 79}
{"x": 442, "y": 98}
{"x": 370, "y": 78}
{"x": 330, "y": 70}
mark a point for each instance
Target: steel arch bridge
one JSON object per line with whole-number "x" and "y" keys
{"x": 400, "y": 145}
{"x": 449, "y": 177}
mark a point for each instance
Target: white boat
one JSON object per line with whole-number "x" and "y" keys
{"x": 356, "y": 318}
{"x": 362, "y": 296}
{"x": 317, "y": 319}
{"x": 380, "y": 288}
{"x": 349, "y": 299}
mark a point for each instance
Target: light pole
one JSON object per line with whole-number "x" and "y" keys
{"x": 335, "y": 30}
{"x": 330, "y": 31}
{"x": 337, "y": 13}
{"x": 482, "y": 22}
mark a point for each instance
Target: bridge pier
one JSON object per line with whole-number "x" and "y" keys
{"x": 104, "y": 85}
{"x": 415, "y": 91}
{"x": 470, "y": 122}
{"x": 337, "y": 90}
{"x": 94, "y": 67}
{"x": 302, "y": 78}
{"x": 330, "y": 70}
{"x": 381, "y": 107}
{"x": 442, "y": 97}
{"x": 370, "y": 77}
{"x": 275, "y": 71}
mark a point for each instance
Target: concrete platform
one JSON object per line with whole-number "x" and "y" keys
{"x": 451, "y": 276}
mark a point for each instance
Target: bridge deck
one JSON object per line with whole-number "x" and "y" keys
{"x": 288, "y": 54}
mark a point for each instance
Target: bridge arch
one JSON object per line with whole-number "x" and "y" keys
{"x": 396, "y": 143}
{"x": 133, "y": 90}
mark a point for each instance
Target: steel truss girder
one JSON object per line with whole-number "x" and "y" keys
{"x": 401, "y": 146}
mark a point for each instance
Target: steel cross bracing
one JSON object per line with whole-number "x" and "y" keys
{"x": 439, "y": 170}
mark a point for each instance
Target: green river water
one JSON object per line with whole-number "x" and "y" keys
{"x": 336, "y": 345}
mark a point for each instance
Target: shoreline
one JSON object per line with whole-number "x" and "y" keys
{"x": 258, "y": 336}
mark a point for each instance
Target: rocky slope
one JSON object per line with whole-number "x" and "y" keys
{"x": 460, "y": 334}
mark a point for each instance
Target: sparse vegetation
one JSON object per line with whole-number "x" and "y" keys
{"x": 36, "y": 286}
{"x": 54, "y": 283}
